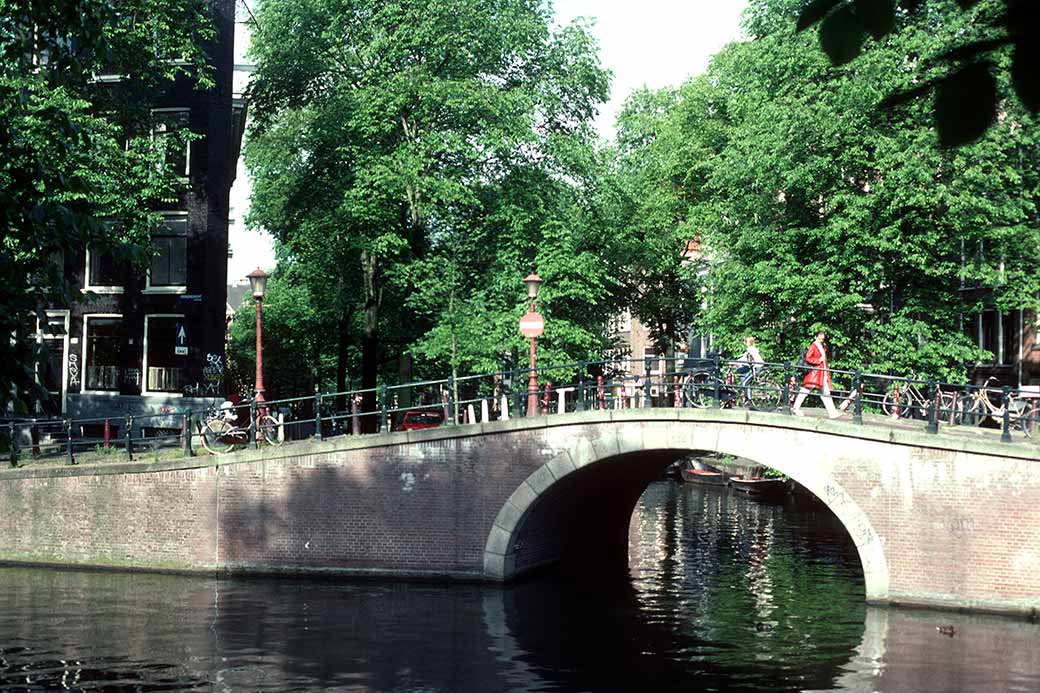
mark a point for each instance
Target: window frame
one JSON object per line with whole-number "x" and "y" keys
{"x": 145, "y": 392}
{"x": 41, "y": 336}
{"x": 187, "y": 145}
{"x": 85, "y": 367}
{"x": 170, "y": 288}
{"x": 98, "y": 288}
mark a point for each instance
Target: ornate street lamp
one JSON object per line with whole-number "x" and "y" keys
{"x": 532, "y": 326}
{"x": 258, "y": 283}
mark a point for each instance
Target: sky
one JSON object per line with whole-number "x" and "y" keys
{"x": 651, "y": 43}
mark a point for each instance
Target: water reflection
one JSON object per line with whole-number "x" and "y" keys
{"x": 723, "y": 593}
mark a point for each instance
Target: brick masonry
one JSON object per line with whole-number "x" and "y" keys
{"x": 938, "y": 520}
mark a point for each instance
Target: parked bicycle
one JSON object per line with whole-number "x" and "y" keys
{"x": 221, "y": 433}
{"x": 977, "y": 406}
{"x": 908, "y": 401}
{"x": 762, "y": 391}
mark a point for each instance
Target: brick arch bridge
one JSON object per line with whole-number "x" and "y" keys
{"x": 949, "y": 520}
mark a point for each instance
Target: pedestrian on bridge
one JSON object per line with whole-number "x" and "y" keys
{"x": 818, "y": 378}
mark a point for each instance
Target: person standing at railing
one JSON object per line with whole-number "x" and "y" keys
{"x": 818, "y": 378}
{"x": 750, "y": 363}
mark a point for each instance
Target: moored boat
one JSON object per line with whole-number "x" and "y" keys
{"x": 760, "y": 487}
{"x": 703, "y": 476}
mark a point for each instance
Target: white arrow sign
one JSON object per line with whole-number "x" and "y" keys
{"x": 182, "y": 335}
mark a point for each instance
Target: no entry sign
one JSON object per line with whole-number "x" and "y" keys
{"x": 532, "y": 325}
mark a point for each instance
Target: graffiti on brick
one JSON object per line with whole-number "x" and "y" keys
{"x": 73, "y": 370}
{"x": 214, "y": 369}
{"x": 200, "y": 389}
{"x": 961, "y": 526}
{"x": 855, "y": 522}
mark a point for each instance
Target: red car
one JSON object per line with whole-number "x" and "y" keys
{"x": 418, "y": 419}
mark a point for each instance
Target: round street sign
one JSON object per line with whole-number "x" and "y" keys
{"x": 532, "y": 325}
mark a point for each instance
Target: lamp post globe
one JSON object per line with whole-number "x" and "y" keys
{"x": 258, "y": 284}
{"x": 532, "y": 326}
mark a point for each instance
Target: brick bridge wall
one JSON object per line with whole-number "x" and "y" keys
{"x": 938, "y": 520}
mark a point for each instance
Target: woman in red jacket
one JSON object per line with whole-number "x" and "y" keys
{"x": 818, "y": 378}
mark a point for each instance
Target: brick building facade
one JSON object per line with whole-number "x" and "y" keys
{"x": 153, "y": 342}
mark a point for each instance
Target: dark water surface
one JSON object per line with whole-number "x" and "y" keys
{"x": 723, "y": 593}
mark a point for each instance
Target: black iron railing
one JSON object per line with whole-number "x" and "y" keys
{"x": 580, "y": 386}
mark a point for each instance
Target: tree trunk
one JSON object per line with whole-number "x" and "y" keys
{"x": 370, "y": 342}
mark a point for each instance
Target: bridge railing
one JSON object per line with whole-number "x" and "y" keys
{"x": 579, "y": 386}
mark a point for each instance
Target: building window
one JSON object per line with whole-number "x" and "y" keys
{"x": 53, "y": 337}
{"x": 170, "y": 123}
{"x": 102, "y": 344}
{"x": 998, "y": 333}
{"x": 169, "y": 267}
{"x": 103, "y": 273}
{"x": 163, "y": 365}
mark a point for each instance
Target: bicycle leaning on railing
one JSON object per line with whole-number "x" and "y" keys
{"x": 220, "y": 432}
{"x": 977, "y": 406}
{"x": 760, "y": 388}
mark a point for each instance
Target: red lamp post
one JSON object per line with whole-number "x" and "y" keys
{"x": 258, "y": 283}
{"x": 532, "y": 326}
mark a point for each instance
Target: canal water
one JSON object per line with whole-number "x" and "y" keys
{"x": 722, "y": 593}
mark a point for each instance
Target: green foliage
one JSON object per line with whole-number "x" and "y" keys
{"x": 818, "y": 211}
{"x": 428, "y": 156}
{"x": 966, "y": 91}
{"x": 74, "y": 154}
{"x": 299, "y": 350}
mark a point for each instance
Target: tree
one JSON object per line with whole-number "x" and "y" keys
{"x": 75, "y": 156}
{"x": 816, "y": 210}
{"x": 994, "y": 37}
{"x": 385, "y": 125}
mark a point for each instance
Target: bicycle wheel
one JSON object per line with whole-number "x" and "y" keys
{"x": 698, "y": 391}
{"x": 766, "y": 396}
{"x": 890, "y": 405}
{"x": 267, "y": 429}
{"x": 218, "y": 436}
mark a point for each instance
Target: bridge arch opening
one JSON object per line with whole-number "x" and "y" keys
{"x": 577, "y": 508}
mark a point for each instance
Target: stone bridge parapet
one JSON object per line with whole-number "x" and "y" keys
{"x": 941, "y": 520}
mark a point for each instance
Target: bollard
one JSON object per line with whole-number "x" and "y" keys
{"x": 107, "y": 434}
{"x": 895, "y": 402}
{"x": 189, "y": 429}
{"x": 787, "y": 387}
{"x": 381, "y": 428}
{"x": 254, "y": 434}
{"x": 546, "y": 399}
{"x": 505, "y": 408}
{"x": 1005, "y": 434}
{"x": 317, "y": 415}
{"x": 600, "y": 396}
{"x": 676, "y": 399}
{"x": 449, "y": 413}
{"x": 14, "y": 444}
{"x": 355, "y": 418}
{"x": 648, "y": 381}
{"x": 857, "y": 406}
{"x": 932, "y": 409}
{"x": 716, "y": 375}
{"x": 485, "y": 414}
{"x": 579, "y": 405}
{"x": 68, "y": 441}
{"x": 471, "y": 415}
{"x": 128, "y": 421}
